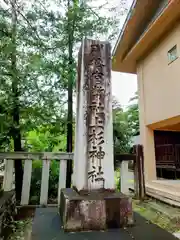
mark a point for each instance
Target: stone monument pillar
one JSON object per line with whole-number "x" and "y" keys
{"x": 93, "y": 161}
{"x": 93, "y": 204}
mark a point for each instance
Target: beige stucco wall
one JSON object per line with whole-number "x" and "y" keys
{"x": 146, "y": 134}
{"x": 159, "y": 95}
{"x": 160, "y": 81}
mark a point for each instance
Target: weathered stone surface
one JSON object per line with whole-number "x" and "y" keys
{"x": 7, "y": 210}
{"x": 93, "y": 155}
{"x": 94, "y": 211}
{"x": 94, "y": 205}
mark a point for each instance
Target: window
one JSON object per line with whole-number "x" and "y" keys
{"x": 172, "y": 54}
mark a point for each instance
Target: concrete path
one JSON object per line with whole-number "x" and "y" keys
{"x": 47, "y": 226}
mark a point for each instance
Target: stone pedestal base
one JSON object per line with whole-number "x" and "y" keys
{"x": 95, "y": 211}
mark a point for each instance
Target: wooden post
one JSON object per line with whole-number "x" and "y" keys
{"x": 8, "y": 175}
{"x": 136, "y": 178}
{"x": 139, "y": 180}
{"x": 45, "y": 182}
{"x": 124, "y": 177}
{"x": 26, "y": 182}
{"x": 143, "y": 194}
{"x": 62, "y": 177}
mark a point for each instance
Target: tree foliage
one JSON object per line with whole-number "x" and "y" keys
{"x": 38, "y": 56}
{"x": 48, "y": 35}
{"x": 133, "y": 115}
{"x": 38, "y": 52}
{"x": 121, "y": 130}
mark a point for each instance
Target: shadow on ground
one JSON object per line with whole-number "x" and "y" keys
{"x": 47, "y": 226}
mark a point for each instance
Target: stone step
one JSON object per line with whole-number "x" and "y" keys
{"x": 173, "y": 185}
{"x": 170, "y": 212}
{"x": 161, "y": 192}
{"x": 169, "y": 190}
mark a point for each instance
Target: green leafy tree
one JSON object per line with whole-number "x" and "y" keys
{"x": 10, "y": 105}
{"x": 72, "y": 21}
{"x": 133, "y": 115}
{"x": 28, "y": 96}
{"x": 121, "y": 133}
{"x": 39, "y": 42}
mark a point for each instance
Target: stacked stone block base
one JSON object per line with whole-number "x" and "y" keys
{"x": 95, "y": 210}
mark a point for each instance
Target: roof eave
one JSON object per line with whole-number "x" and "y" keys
{"x": 127, "y": 63}
{"x": 129, "y": 15}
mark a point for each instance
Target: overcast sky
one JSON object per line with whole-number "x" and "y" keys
{"x": 124, "y": 85}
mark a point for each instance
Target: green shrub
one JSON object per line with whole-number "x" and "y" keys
{"x": 117, "y": 179}
{"x": 36, "y": 181}
{"x": 53, "y": 179}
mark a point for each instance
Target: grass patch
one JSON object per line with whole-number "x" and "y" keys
{"x": 156, "y": 217}
{"x": 20, "y": 230}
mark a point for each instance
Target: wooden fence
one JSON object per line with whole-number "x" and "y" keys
{"x": 46, "y": 157}
{"x": 139, "y": 179}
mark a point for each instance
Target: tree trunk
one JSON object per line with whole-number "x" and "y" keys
{"x": 16, "y": 133}
{"x": 70, "y": 94}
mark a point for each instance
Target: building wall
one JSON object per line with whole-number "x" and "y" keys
{"x": 159, "y": 95}
{"x": 161, "y": 81}
{"x": 146, "y": 134}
